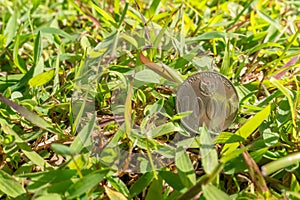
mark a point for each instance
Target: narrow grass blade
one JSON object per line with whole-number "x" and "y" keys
{"x": 141, "y": 184}
{"x": 11, "y": 27}
{"x": 29, "y": 153}
{"x": 83, "y": 136}
{"x": 107, "y": 17}
{"x": 289, "y": 96}
{"x": 32, "y": 117}
{"x": 9, "y": 186}
{"x": 249, "y": 127}
{"x": 205, "y": 179}
{"x": 37, "y": 51}
{"x": 128, "y": 110}
{"x": 255, "y": 174}
{"x": 16, "y": 56}
{"x": 280, "y": 163}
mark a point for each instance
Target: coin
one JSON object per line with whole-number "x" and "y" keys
{"x": 212, "y": 100}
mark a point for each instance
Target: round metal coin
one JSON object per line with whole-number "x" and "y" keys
{"x": 211, "y": 99}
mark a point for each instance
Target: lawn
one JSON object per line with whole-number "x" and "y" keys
{"x": 95, "y": 100}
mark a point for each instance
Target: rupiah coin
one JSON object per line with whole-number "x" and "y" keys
{"x": 212, "y": 100}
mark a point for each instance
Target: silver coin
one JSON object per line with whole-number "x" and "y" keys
{"x": 212, "y": 100}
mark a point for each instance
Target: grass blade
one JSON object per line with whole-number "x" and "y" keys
{"x": 211, "y": 192}
{"x": 165, "y": 71}
{"x": 30, "y": 116}
{"x": 41, "y": 79}
{"x": 29, "y": 153}
{"x": 185, "y": 168}
{"x": 209, "y": 156}
{"x": 10, "y": 186}
{"x": 280, "y": 163}
{"x": 248, "y": 128}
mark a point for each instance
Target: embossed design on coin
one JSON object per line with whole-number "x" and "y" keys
{"x": 212, "y": 100}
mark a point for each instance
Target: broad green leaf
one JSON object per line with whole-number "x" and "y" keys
{"x": 32, "y": 117}
{"x": 147, "y": 76}
{"x": 29, "y": 153}
{"x": 86, "y": 183}
{"x": 185, "y": 168}
{"x": 264, "y": 45}
{"x": 114, "y": 195}
{"x": 270, "y": 137}
{"x": 209, "y": 156}
{"x": 163, "y": 129}
{"x": 249, "y": 127}
{"x": 41, "y": 79}
{"x": 203, "y": 180}
{"x": 155, "y": 190}
{"x": 118, "y": 184}
{"x": 129, "y": 39}
{"x": 10, "y": 186}
{"x": 164, "y": 70}
{"x": 172, "y": 179}
{"x": 211, "y": 192}
{"x": 62, "y": 149}
{"x": 141, "y": 184}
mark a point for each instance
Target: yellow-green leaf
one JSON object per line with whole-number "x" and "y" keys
{"x": 248, "y": 128}
{"x": 41, "y": 79}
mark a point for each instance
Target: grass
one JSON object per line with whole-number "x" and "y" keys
{"x": 88, "y": 92}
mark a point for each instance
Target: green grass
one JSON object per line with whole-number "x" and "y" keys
{"x": 77, "y": 100}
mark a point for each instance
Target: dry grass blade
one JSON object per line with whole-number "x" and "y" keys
{"x": 164, "y": 71}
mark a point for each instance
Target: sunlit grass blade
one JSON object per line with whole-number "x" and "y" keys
{"x": 41, "y": 79}
{"x": 248, "y": 128}
{"x": 281, "y": 163}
